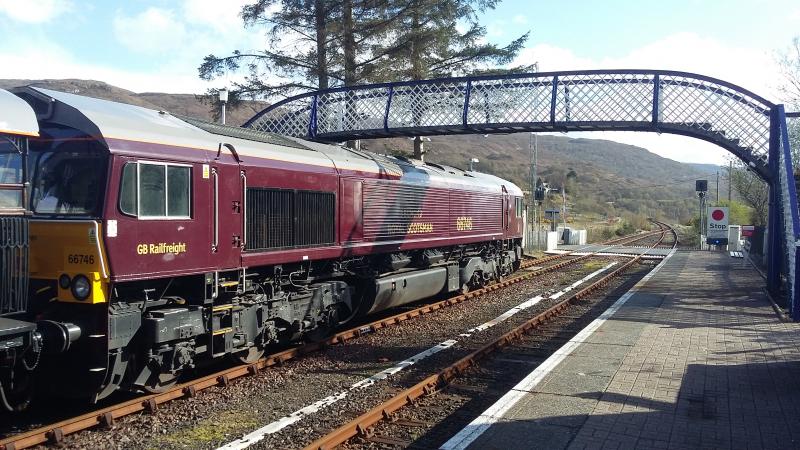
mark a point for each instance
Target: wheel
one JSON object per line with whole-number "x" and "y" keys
{"x": 249, "y": 356}
{"x": 157, "y": 384}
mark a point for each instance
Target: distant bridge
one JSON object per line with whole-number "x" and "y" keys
{"x": 747, "y": 125}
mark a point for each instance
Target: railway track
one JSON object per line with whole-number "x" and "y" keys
{"x": 106, "y": 417}
{"x": 386, "y": 413}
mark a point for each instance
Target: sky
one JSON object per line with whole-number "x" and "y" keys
{"x": 157, "y": 45}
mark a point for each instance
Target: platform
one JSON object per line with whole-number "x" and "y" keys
{"x": 695, "y": 358}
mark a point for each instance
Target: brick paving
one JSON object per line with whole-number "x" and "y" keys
{"x": 696, "y": 359}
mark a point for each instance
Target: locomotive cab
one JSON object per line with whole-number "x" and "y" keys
{"x": 18, "y": 338}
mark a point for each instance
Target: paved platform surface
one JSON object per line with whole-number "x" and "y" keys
{"x": 696, "y": 358}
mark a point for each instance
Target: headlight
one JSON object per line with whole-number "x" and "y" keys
{"x": 64, "y": 281}
{"x": 81, "y": 288}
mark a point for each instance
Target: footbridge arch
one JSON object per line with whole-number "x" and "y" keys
{"x": 744, "y": 123}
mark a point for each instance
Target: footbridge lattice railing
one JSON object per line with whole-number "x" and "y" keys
{"x": 627, "y": 100}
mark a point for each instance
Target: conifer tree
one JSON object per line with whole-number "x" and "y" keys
{"x": 316, "y": 44}
{"x": 440, "y": 38}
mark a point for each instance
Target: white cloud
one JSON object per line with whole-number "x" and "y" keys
{"x": 222, "y": 16}
{"x": 154, "y": 30}
{"x": 520, "y": 19}
{"x": 752, "y": 69}
{"x": 42, "y": 59}
{"x": 34, "y": 11}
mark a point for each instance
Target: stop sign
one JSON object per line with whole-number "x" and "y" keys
{"x": 717, "y": 229}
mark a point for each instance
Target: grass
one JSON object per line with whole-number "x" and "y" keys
{"x": 213, "y": 429}
{"x": 594, "y": 265}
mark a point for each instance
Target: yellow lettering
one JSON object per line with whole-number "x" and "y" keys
{"x": 464, "y": 223}
{"x": 161, "y": 248}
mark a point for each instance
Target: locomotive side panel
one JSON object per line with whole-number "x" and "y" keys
{"x": 291, "y": 212}
{"x": 150, "y": 232}
{"x": 476, "y": 214}
{"x": 395, "y": 211}
{"x": 351, "y": 219}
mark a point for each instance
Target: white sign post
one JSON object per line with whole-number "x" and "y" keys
{"x": 717, "y": 230}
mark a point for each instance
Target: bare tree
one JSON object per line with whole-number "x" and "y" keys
{"x": 789, "y": 62}
{"x": 753, "y": 191}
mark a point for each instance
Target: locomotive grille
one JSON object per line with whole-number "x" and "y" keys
{"x": 13, "y": 264}
{"x": 282, "y": 218}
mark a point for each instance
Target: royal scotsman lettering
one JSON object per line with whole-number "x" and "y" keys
{"x": 412, "y": 228}
{"x": 161, "y": 248}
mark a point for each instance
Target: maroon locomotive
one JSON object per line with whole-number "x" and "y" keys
{"x": 160, "y": 242}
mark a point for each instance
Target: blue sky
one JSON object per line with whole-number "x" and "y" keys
{"x": 156, "y": 45}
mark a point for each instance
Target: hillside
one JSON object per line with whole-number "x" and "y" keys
{"x": 602, "y": 177}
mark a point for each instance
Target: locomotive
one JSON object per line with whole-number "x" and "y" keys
{"x": 160, "y": 243}
{"x": 18, "y": 337}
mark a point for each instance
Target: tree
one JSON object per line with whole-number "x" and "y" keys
{"x": 738, "y": 212}
{"x": 789, "y": 62}
{"x": 312, "y": 44}
{"x": 315, "y": 44}
{"x": 439, "y": 38}
{"x": 753, "y": 191}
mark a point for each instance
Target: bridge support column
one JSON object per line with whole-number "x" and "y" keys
{"x": 774, "y": 226}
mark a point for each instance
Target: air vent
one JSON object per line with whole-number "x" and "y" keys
{"x": 282, "y": 218}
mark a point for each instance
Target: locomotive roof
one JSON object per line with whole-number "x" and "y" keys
{"x": 16, "y": 116}
{"x": 107, "y": 120}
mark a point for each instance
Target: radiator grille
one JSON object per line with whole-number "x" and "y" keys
{"x": 13, "y": 264}
{"x": 281, "y": 218}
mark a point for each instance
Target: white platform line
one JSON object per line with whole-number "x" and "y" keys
{"x": 283, "y": 422}
{"x": 533, "y": 301}
{"x": 261, "y": 433}
{"x": 495, "y": 412}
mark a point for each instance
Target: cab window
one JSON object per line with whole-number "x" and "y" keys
{"x": 519, "y": 207}
{"x": 155, "y": 190}
{"x": 11, "y": 174}
{"x": 68, "y": 177}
